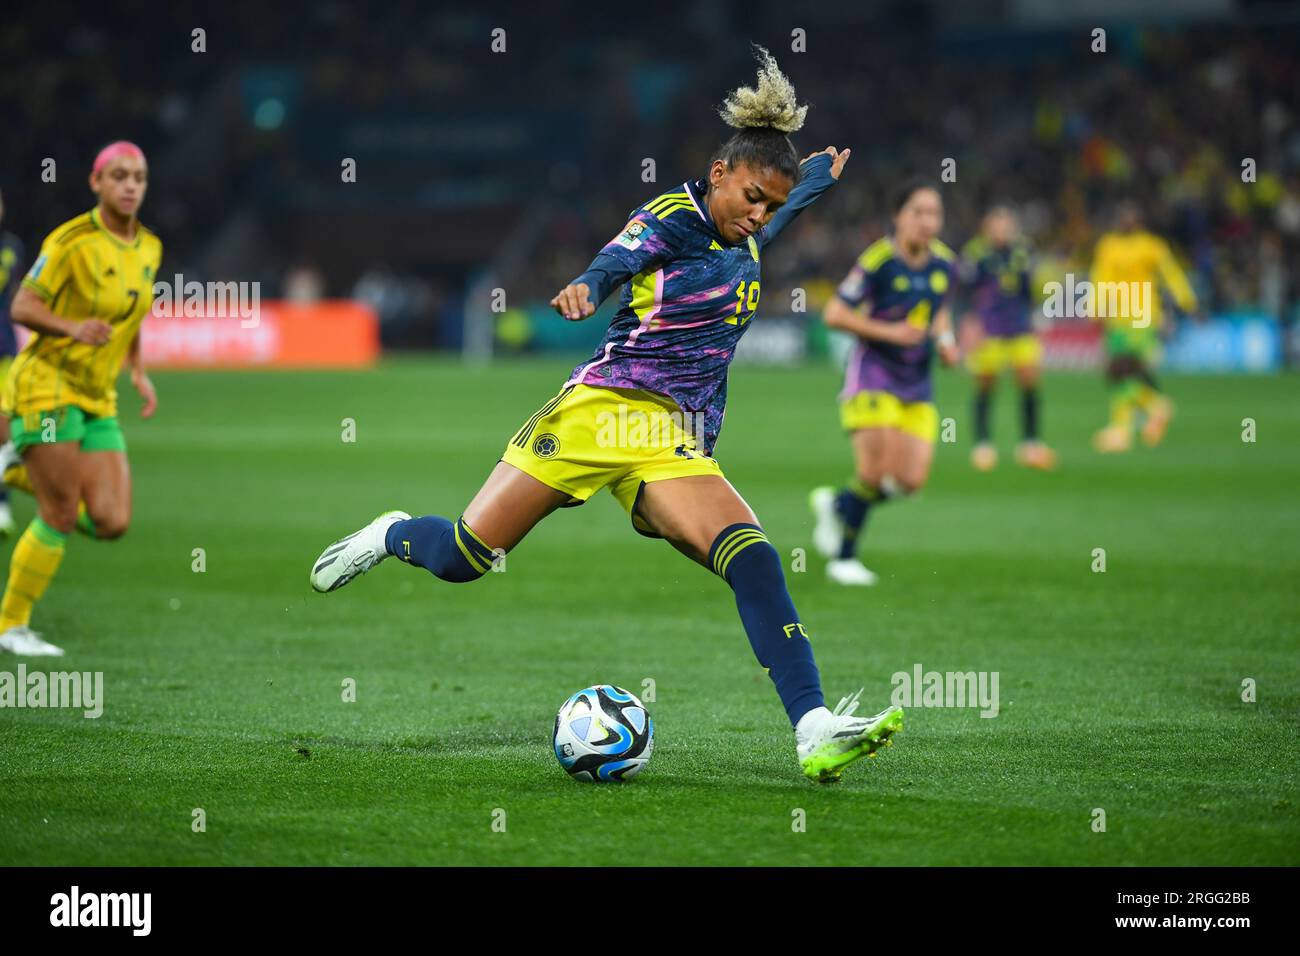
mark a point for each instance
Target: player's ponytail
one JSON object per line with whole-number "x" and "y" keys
{"x": 764, "y": 114}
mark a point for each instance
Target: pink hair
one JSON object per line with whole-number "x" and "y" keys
{"x": 112, "y": 151}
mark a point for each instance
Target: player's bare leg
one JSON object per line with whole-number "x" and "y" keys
{"x": 912, "y": 458}
{"x": 509, "y": 505}
{"x": 505, "y": 509}
{"x": 106, "y": 490}
{"x": 705, "y": 518}
{"x": 690, "y": 512}
{"x": 55, "y": 475}
{"x": 1031, "y": 452}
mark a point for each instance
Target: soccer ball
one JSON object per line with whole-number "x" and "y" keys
{"x": 603, "y": 733}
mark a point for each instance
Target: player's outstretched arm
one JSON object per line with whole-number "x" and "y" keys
{"x": 818, "y": 173}
{"x": 581, "y": 297}
{"x": 29, "y": 310}
{"x": 843, "y": 317}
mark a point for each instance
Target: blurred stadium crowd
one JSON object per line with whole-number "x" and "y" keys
{"x": 518, "y": 165}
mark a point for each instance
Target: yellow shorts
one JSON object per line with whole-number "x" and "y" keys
{"x": 886, "y": 410}
{"x": 589, "y": 438}
{"x": 994, "y": 354}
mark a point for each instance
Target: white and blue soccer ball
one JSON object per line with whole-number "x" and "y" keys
{"x": 603, "y": 733}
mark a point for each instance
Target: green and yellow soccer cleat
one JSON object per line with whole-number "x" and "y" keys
{"x": 840, "y": 738}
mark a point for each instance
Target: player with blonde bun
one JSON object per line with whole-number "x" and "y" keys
{"x": 688, "y": 261}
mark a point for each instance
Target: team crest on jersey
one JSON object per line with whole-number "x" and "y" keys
{"x": 546, "y": 446}
{"x": 938, "y": 282}
{"x": 901, "y": 283}
{"x": 635, "y": 233}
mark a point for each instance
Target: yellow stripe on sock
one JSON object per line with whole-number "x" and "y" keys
{"x": 729, "y": 542}
{"x": 469, "y": 555}
{"x": 473, "y": 535}
{"x": 740, "y": 539}
{"x": 741, "y": 546}
{"x": 725, "y": 543}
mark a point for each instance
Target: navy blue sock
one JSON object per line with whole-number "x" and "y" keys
{"x": 1029, "y": 413}
{"x": 742, "y": 556}
{"x": 853, "y": 506}
{"x": 983, "y": 403}
{"x": 450, "y": 550}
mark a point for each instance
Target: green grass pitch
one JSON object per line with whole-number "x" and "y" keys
{"x": 223, "y": 689}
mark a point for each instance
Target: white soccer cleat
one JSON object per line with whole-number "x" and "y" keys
{"x": 828, "y": 741}
{"x": 23, "y": 640}
{"x": 353, "y": 556}
{"x": 828, "y": 532}
{"x": 7, "y": 526}
{"x": 850, "y": 571}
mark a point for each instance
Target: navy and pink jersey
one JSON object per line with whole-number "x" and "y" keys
{"x": 690, "y": 296}
{"x": 895, "y": 292}
{"x": 997, "y": 282}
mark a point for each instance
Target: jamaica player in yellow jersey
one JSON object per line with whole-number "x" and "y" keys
{"x": 1131, "y": 258}
{"x": 84, "y": 298}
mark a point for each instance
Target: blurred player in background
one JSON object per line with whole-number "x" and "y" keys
{"x": 903, "y": 281}
{"x": 996, "y": 269}
{"x": 1143, "y": 264}
{"x": 84, "y": 298}
{"x": 690, "y": 260}
{"x": 11, "y": 266}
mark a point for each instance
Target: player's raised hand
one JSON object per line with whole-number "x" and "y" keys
{"x": 574, "y": 302}
{"x": 838, "y": 158}
{"x": 93, "y": 332}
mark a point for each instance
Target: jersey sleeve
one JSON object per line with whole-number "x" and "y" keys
{"x": 854, "y": 287}
{"x": 858, "y": 286}
{"x": 51, "y": 271}
{"x": 1175, "y": 280}
{"x": 646, "y": 241}
{"x": 814, "y": 179}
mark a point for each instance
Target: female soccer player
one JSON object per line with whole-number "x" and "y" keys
{"x": 1133, "y": 260}
{"x": 690, "y": 258}
{"x": 996, "y": 269}
{"x": 885, "y": 404}
{"x": 84, "y": 298}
